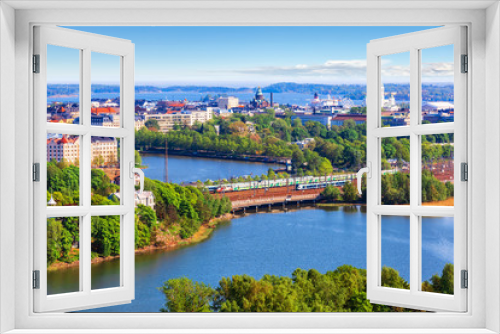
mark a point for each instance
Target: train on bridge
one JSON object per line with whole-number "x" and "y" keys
{"x": 300, "y": 182}
{"x": 304, "y": 182}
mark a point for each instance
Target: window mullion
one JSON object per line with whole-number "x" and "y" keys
{"x": 85, "y": 254}
{"x": 414, "y": 169}
{"x": 86, "y": 178}
{"x": 85, "y": 148}
{"x": 372, "y": 155}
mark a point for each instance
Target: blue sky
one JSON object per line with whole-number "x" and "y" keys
{"x": 248, "y": 56}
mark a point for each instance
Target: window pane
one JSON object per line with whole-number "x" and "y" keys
{"x": 395, "y": 89}
{"x": 63, "y": 170}
{"x": 437, "y": 254}
{"x": 395, "y": 158}
{"x": 63, "y": 85}
{"x": 395, "y": 252}
{"x": 105, "y": 87}
{"x": 437, "y": 84}
{"x": 105, "y": 158}
{"x": 105, "y": 248}
{"x": 63, "y": 255}
{"x": 438, "y": 169}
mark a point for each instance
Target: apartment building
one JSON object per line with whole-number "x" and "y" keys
{"x": 104, "y": 150}
{"x": 67, "y": 148}
{"x": 201, "y": 116}
{"x": 169, "y": 120}
{"x": 228, "y": 102}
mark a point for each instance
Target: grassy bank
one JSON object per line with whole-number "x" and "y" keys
{"x": 202, "y": 234}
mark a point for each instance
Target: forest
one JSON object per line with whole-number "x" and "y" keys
{"x": 186, "y": 208}
{"x": 341, "y": 290}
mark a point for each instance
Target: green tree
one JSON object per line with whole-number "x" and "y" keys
{"x": 341, "y": 290}
{"x": 331, "y": 193}
{"x": 349, "y": 192}
{"x": 270, "y": 174}
{"x": 138, "y": 159}
{"x": 325, "y": 167}
{"x": 152, "y": 124}
{"x": 391, "y": 278}
{"x": 182, "y": 295}
{"x": 54, "y": 233}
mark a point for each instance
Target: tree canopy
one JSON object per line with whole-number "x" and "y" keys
{"x": 341, "y": 290}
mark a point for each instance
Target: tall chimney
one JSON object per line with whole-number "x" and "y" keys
{"x": 272, "y": 100}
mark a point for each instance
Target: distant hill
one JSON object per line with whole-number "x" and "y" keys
{"x": 282, "y": 87}
{"x": 438, "y": 91}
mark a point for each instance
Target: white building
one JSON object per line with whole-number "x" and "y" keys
{"x": 110, "y": 103}
{"x": 148, "y": 105}
{"x": 167, "y": 122}
{"x": 146, "y": 198}
{"x": 104, "y": 150}
{"x": 390, "y": 103}
{"x": 303, "y": 144}
{"x": 324, "y": 105}
{"x": 228, "y": 102}
{"x": 201, "y": 116}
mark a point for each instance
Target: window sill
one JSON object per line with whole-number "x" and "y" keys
{"x": 256, "y": 331}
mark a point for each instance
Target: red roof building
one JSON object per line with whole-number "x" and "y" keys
{"x": 67, "y": 148}
{"x": 107, "y": 110}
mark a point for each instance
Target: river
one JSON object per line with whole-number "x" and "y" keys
{"x": 270, "y": 243}
{"x": 191, "y": 169}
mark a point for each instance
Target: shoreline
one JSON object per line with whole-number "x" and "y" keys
{"x": 202, "y": 234}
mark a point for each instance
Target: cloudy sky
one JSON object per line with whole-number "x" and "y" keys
{"x": 250, "y": 56}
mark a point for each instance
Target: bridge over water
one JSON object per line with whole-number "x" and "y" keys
{"x": 255, "y": 198}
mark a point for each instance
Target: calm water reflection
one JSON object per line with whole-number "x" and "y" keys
{"x": 191, "y": 169}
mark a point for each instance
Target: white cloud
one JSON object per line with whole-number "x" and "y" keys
{"x": 437, "y": 69}
{"x": 336, "y": 68}
{"x": 442, "y": 69}
{"x": 331, "y": 71}
{"x": 347, "y": 68}
{"x": 395, "y": 71}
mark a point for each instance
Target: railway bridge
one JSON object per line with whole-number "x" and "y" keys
{"x": 255, "y": 198}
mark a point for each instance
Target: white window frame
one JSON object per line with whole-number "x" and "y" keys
{"x": 86, "y": 44}
{"x": 483, "y": 102}
{"x": 412, "y": 44}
